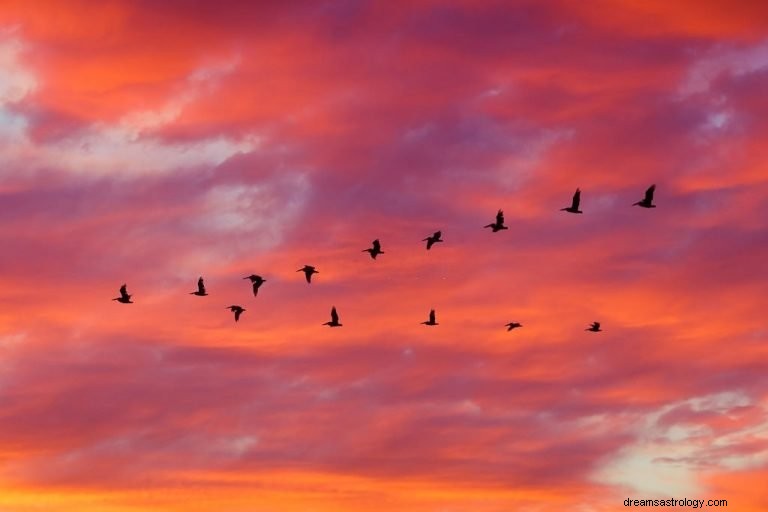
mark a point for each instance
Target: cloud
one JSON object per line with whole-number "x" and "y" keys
{"x": 153, "y": 144}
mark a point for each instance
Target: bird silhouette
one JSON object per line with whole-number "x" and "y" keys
{"x": 308, "y": 271}
{"x": 431, "y": 320}
{"x": 200, "y": 289}
{"x": 595, "y": 327}
{"x": 647, "y": 201}
{"x": 499, "y": 224}
{"x": 124, "y": 297}
{"x": 574, "y": 208}
{"x": 375, "y": 250}
{"x": 513, "y": 325}
{"x": 432, "y": 240}
{"x": 257, "y": 281}
{"x": 334, "y": 318}
{"x": 237, "y": 310}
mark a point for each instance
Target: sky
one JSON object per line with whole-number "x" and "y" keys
{"x": 151, "y": 143}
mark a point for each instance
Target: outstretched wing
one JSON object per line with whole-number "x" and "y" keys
{"x": 200, "y": 286}
{"x": 238, "y": 312}
{"x": 649, "y": 194}
{"x": 432, "y": 316}
{"x": 334, "y": 315}
{"x": 256, "y": 285}
{"x": 430, "y": 242}
{"x": 596, "y": 325}
{"x": 576, "y": 199}
{"x": 376, "y": 245}
{"x": 437, "y": 235}
{"x": 124, "y": 291}
{"x": 500, "y": 218}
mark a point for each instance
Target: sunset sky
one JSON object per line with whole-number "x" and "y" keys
{"x": 150, "y": 143}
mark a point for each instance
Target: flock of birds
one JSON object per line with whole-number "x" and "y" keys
{"x": 375, "y": 250}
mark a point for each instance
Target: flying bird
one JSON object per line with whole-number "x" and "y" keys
{"x": 334, "y": 318}
{"x": 237, "y": 310}
{"x": 308, "y": 271}
{"x": 574, "y": 208}
{"x": 499, "y": 224}
{"x": 513, "y": 325}
{"x": 431, "y": 320}
{"x": 375, "y": 250}
{"x": 432, "y": 240}
{"x": 257, "y": 281}
{"x": 647, "y": 201}
{"x": 595, "y": 327}
{"x": 124, "y": 297}
{"x": 200, "y": 289}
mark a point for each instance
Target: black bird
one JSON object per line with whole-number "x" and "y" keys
{"x": 308, "y": 271}
{"x": 499, "y": 224}
{"x": 574, "y": 208}
{"x": 513, "y": 325}
{"x": 595, "y": 327}
{"x": 200, "y": 289}
{"x": 237, "y": 310}
{"x": 334, "y": 318}
{"x": 431, "y": 320}
{"x": 375, "y": 250}
{"x": 432, "y": 240}
{"x": 124, "y": 297}
{"x": 257, "y": 282}
{"x": 647, "y": 201}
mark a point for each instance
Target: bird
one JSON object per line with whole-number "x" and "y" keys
{"x": 513, "y": 325}
{"x": 647, "y": 201}
{"x": 200, "y": 289}
{"x": 257, "y": 282}
{"x": 308, "y": 271}
{"x": 334, "y": 318}
{"x": 432, "y": 240}
{"x": 574, "y": 208}
{"x": 595, "y": 327}
{"x": 124, "y": 297}
{"x": 375, "y": 250}
{"x": 237, "y": 310}
{"x": 499, "y": 224}
{"x": 431, "y": 320}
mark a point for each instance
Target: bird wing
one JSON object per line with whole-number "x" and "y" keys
{"x": 430, "y": 242}
{"x": 376, "y": 245}
{"x": 500, "y": 218}
{"x": 200, "y": 285}
{"x": 124, "y": 291}
{"x": 576, "y": 199}
{"x": 432, "y": 315}
{"x": 596, "y": 325}
{"x": 334, "y": 315}
{"x": 649, "y": 193}
{"x": 237, "y": 314}
{"x": 437, "y": 235}
{"x": 256, "y": 285}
